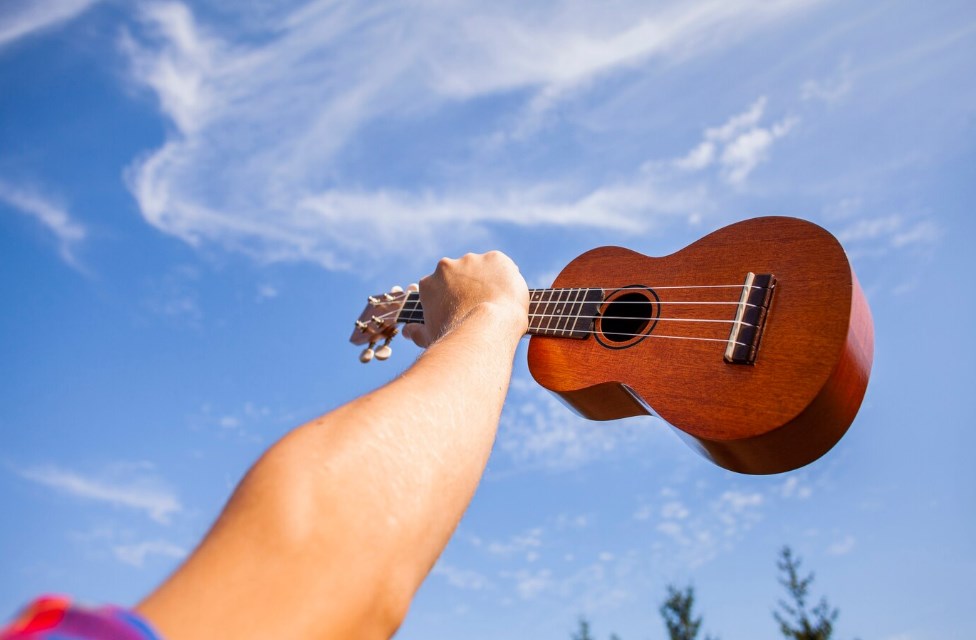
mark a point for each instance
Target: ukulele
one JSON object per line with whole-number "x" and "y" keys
{"x": 754, "y": 343}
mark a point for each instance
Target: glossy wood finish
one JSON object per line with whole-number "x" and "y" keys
{"x": 783, "y": 412}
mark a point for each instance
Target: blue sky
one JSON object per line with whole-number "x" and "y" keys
{"x": 195, "y": 199}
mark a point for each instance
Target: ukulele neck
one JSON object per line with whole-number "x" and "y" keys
{"x": 564, "y": 313}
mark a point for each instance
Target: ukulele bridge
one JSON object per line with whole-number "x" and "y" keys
{"x": 750, "y": 318}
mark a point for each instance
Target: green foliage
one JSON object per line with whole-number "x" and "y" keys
{"x": 795, "y": 621}
{"x": 583, "y": 633}
{"x": 678, "y": 615}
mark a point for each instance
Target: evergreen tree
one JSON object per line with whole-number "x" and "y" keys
{"x": 795, "y": 622}
{"x": 678, "y": 615}
{"x": 583, "y": 633}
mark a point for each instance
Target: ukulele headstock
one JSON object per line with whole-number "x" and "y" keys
{"x": 379, "y": 321}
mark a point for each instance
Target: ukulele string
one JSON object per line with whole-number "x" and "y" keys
{"x": 646, "y": 301}
{"x": 643, "y": 318}
{"x": 541, "y": 331}
{"x": 592, "y": 332}
{"x": 643, "y": 288}
{"x": 391, "y": 314}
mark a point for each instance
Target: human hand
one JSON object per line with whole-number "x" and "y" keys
{"x": 458, "y": 287}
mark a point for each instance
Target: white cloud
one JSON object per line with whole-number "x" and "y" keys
{"x": 566, "y": 521}
{"x": 745, "y": 152}
{"x": 891, "y": 231}
{"x": 738, "y": 501}
{"x": 49, "y": 213}
{"x": 925, "y": 232}
{"x": 830, "y": 90}
{"x": 139, "y": 493}
{"x": 698, "y": 158}
{"x": 738, "y": 146}
{"x": 693, "y": 538}
{"x": 539, "y": 431}
{"x": 527, "y": 542}
{"x": 792, "y": 487}
{"x": 843, "y": 209}
{"x": 674, "y": 510}
{"x": 267, "y": 292}
{"x": 673, "y": 530}
{"x": 254, "y": 160}
{"x": 20, "y": 19}
{"x": 461, "y": 578}
{"x": 135, "y": 554}
{"x": 870, "y": 228}
{"x": 174, "y": 295}
{"x": 529, "y": 584}
{"x": 247, "y": 422}
{"x": 738, "y": 511}
{"x": 842, "y": 547}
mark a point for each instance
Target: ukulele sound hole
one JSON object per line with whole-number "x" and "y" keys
{"x": 626, "y": 317}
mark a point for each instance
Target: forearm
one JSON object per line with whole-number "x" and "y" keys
{"x": 355, "y": 507}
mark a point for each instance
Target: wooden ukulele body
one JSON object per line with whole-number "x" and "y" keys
{"x": 784, "y": 410}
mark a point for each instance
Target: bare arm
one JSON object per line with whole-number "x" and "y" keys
{"x": 332, "y": 531}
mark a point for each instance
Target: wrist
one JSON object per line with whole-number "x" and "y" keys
{"x": 508, "y": 319}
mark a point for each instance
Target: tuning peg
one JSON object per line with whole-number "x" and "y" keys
{"x": 413, "y": 286}
{"x": 367, "y": 353}
{"x": 373, "y": 300}
{"x": 396, "y": 289}
{"x": 362, "y": 326}
{"x": 384, "y": 352}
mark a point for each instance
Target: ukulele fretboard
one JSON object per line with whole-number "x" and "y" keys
{"x": 564, "y": 313}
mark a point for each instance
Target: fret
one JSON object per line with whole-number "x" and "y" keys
{"x": 572, "y": 313}
{"x": 411, "y": 311}
{"x": 546, "y": 311}
{"x": 555, "y": 313}
{"x": 565, "y": 313}
{"x": 557, "y": 310}
{"x": 562, "y": 311}
{"x": 535, "y": 295}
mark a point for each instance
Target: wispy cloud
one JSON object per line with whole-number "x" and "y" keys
{"x": 530, "y": 583}
{"x": 136, "y": 554}
{"x": 526, "y": 544}
{"x": 461, "y": 578}
{"x": 831, "y": 89}
{"x": 738, "y": 146}
{"x": 140, "y": 493}
{"x": 881, "y": 234}
{"x": 793, "y": 487}
{"x": 266, "y": 292}
{"x": 51, "y": 214}
{"x": 538, "y": 431}
{"x": 20, "y": 19}
{"x": 247, "y": 422}
{"x": 842, "y": 547}
{"x": 255, "y": 160}
{"x": 174, "y": 295}
{"x": 604, "y": 583}
{"x": 697, "y": 535}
